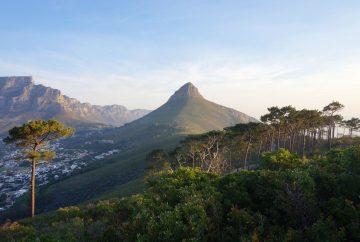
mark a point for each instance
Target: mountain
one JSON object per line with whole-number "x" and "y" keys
{"x": 189, "y": 112}
{"x": 22, "y": 100}
{"x": 186, "y": 112}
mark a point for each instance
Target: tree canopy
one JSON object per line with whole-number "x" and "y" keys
{"x": 35, "y": 135}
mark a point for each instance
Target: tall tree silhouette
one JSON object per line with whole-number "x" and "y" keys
{"x": 332, "y": 119}
{"x": 32, "y": 138}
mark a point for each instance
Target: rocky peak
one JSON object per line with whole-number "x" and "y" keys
{"x": 186, "y": 91}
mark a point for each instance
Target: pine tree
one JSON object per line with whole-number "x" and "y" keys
{"x": 32, "y": 138}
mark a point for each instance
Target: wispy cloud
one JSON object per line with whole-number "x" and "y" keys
{"x": 235, "y": 81}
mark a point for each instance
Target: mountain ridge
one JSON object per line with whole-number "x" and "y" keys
{"x": 21, "y": 100}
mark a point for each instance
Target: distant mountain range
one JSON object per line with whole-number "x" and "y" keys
{"x": 22, "y": 100}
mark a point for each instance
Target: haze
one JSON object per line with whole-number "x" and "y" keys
{"x": 247, "y": 55}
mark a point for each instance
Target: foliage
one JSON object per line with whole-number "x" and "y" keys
{"x": 281, "y": 159}
{"x": 290, "y": 200}
{"x": 34, "y": 135}
{"x": 305, "y": 133}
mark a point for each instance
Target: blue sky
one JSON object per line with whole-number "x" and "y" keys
{"x": 246, "y": 54}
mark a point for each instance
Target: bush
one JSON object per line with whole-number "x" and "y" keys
{"x": 288, "y": 201}
{"x": 281, "y": 159}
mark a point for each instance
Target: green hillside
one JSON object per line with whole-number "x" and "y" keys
{"x": 186, "y": 112}
{"x": 189, "y": 112}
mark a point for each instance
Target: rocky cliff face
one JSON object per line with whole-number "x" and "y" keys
{"x": 22, "y": 100}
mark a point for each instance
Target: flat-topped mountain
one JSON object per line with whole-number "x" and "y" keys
{"x": 22, "y": 100}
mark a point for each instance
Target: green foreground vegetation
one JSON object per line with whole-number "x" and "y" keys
{"x": 287, "y": 199}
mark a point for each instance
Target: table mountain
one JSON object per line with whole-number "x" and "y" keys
{"x": 22, "y": 100}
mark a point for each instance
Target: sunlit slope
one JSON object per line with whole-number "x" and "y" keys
{"x": 186, "y": 112}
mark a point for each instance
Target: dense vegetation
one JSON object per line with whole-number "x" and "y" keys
{"x": 293, "y": 177}
{"x": 287, "y": 199}
{"x": 306, "y": 133}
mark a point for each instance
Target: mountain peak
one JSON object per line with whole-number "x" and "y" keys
{"x": 186, "y": 91}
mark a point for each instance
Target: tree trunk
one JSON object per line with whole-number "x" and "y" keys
{"x": 272, "y": 142}
{"x": 259, "y": 152}
{"x": 247, "y": 152}
{"x": 294, "y": 142}
{"x": 33, "y": 188}
{"x": 304, "y": 144}
{"x": 278, "y": 141}
{"x": 329, "y": 137}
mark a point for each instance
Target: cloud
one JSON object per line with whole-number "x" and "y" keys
{"x": 250, "y": 87}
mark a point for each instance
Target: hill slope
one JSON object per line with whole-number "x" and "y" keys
{"x": 22, "y": 100}
{"x": 186, "y": 112}
{"x": 189, "y": 112}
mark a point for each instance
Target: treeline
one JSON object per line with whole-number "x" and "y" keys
{"x": 303, "y": 132}
{"x": 287, "y": 199}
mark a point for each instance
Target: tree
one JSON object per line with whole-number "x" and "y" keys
{"x": 330, "y": 111}
{"x": 353, "y": 124}
{"x": 32, "y": 138}
{"x": 280, "y": 160}
{"x": 249, "y": 134}
{"x": 273, "y": 118}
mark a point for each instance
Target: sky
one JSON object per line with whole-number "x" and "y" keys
{"x": 244, "y": 54}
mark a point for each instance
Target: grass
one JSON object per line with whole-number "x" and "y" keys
{"x": 132, "y": 187}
